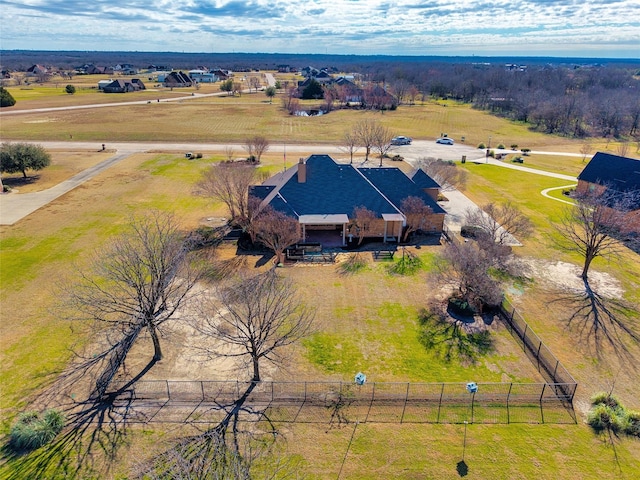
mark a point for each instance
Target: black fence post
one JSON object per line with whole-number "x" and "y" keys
{"x": 508, "y": 398}
{"x": 406, "y": 399}
{"x": 440, "y": 403}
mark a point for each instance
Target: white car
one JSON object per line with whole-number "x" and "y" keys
{"x": 445, "y": 141}
{"x": 401, "y": 140}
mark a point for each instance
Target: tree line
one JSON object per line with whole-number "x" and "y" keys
{"x": 575, "y": 102}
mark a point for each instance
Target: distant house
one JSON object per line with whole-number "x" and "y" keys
{"x": 222, "y": 74}
{"x": 104, "y": 83}
{"x": 614, "y": 174}
{"x": 98, "y": 70}
{"x": 37, "y": 69}
{"x": 124, "y": 86}
{"x": 322, "y": 195}
{"x": 202, "y": 76}
{"x": 177, "y": 80}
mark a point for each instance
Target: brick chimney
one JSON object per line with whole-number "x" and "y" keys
{"x": 302, "y": 171}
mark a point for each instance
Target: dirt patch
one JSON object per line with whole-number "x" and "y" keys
{"x": 566, "y": 276}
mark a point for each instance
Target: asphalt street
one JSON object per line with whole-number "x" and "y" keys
{"x": 14, "y": 207}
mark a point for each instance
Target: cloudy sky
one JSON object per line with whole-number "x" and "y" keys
{"x": 577, "y": 28}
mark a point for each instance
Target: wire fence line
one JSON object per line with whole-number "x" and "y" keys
{"x": 541, "y": 357}
{"x": 557, "y": 376}
{"x": 343, "y": 402}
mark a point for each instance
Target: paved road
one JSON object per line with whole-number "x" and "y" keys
{"x": 105, "y": 105}
{"x": 14, "y": 207}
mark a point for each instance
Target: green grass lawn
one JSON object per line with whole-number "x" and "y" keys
{"x": 367, "y": 320}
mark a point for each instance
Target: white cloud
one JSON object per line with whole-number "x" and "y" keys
{"x": 443, "y": 27}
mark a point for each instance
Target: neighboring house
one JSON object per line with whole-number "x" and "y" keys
{"x": 222, "y": 74}
{"x": 613, "y": 173}
{"x": 322, "y": 195}
{"x": 104, "y": 83}
{"x": 123, "y": 86}
{"x": 202, "y": 76}
{"x": 177, "y": 79}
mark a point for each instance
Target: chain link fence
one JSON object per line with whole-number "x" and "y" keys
{"x": 560, "y": 380}
{"x": 343, "y": 403}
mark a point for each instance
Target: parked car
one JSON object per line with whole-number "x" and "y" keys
{"x": 445, "y": 141}
{"x": 401, "y": 140}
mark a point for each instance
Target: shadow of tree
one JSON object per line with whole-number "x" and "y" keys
{"x": 96, "y": 427}
{"x": 223, "y": 450}
{"x": 601, "y": 320}
{"x": 93, "y": 427}
{"x": 452, "y": 338}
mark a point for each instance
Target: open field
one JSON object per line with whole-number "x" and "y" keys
{"x": 366, "y": 321}
{"x": 231, "y": 119}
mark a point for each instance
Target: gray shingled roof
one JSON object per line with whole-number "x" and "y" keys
{"x": 332, "y": 188}
{"x": 422, "y": 180}
{"x": 619, "y": 173}
{"x": 396, "y": 186}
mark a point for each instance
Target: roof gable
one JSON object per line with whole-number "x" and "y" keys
{"x": 422, "y": 180}
{"x": 332, "y": 188}
{"x": 397, "y": 187}
{"x": 619, "y": 173}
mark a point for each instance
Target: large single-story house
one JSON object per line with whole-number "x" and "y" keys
{"x": 613, "y": 173}
{"x": 323, "y": 195}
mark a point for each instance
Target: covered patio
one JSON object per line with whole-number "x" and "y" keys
{"x": 330, "y": 228}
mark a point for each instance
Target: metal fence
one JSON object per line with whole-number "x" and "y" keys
{"x": 557, "y": 376}
{"x": 541, "y": 357}
{"x": 341, "y": 402}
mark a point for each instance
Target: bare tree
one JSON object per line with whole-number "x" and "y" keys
{"x": 362, "y": 220}
{"x": 400, "y": 89}
{"x": 136, "y": 283}
{"x": 623, "y": 149}
{"x": 365, "y": 132}
{"x": 275, "y": 230}
{"x": 229, "y": 184}
{"x": 256, "y": 146}
{"x": 237, "y": 88}
{"x": 254, "y": 82}
{"x": 447, "y": 174}
{"x": 413, "y": 93}
{"x": 255, "y": 318}
{"x": 349, "y": 145}
{"x": 417, "y": 214}
{"x": 466, "y": 269}
{"x": 229, "y": 153}
{"x": 382, "y": 141}
{"x": 500, "y": 222}
{"x": 595, "y": 226}
{"x": 290, "y": 101}
{"x": 586, "y": 150}
{"x": 329, "y": 96}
